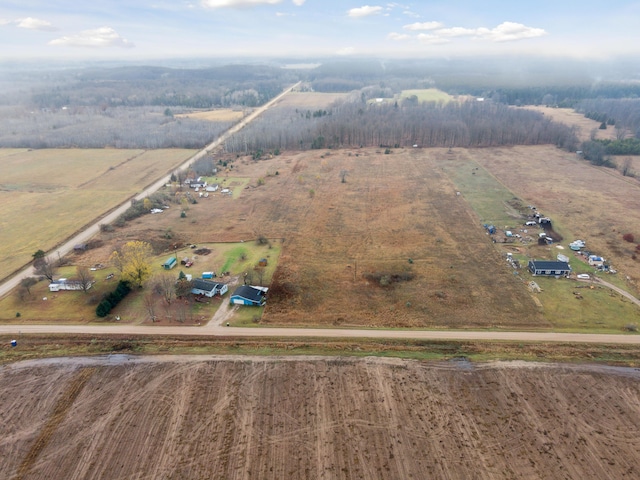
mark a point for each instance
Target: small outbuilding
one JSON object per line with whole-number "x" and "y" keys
{"x": 549, "y": 268}
{"x": 170, "y": 263}
{"x": 249, "y": 295}
{"x": 207, "y": 288}
{"x": 596, "y": 261}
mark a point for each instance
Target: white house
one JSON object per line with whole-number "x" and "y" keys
{"x": 64, "y": 284}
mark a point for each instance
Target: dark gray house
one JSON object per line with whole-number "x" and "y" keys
{"x": 549, "y": 268}
{"x": 208, "y": 288}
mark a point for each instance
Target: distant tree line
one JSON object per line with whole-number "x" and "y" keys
{"x": 354, "y": 123}
{"x": 120, "y": 127}
{"x": 227, "y": 86}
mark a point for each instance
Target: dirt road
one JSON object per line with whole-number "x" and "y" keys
{"x": 92, "y": 230}
{"x": 221, "y": 331}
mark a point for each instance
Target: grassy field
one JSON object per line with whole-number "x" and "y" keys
{"x": 47, "y": 195}
{"x": 397, "y": 246}
{"x": 427, "y": 95}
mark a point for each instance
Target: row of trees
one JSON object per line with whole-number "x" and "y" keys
{"x": 352, "y": 124}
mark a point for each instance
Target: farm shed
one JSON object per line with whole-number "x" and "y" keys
{"x": 170, "y": 263}
{"x": 208, "y": 289}
{"x": 549, "y": 268}
{"x": 248, "y": 295}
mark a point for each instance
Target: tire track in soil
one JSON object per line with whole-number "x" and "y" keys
{"x": 64, "y": 404}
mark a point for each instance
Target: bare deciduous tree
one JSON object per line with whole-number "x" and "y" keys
{"x": 150, "y": 305}
{"x": 46, "y": 268}
{"x": 85, "y": 278}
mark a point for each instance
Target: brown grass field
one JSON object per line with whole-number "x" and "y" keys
{"x": 585, "y": 125}
{"x": 395, "y": 246}
{"x": 47, "y": 195}
{"x": 315, "y": 417}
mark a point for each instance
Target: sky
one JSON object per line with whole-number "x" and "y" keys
{"x": 141, "y": 29}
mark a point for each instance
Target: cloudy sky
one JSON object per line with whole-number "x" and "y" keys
{"x": 131, "y": 29}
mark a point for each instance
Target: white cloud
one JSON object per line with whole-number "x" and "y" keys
{"x": 100, "y": 37}
{"x": 460, "y": 32}
{"x": 238, "y": 3}
{"x": 505, "y": 32}
{"x": 364, "y": 11}
{"x": 409, "y": 13}
{"x": 423, "y": 26}
{"x": 4, "y": 21}
{"x": 431, "y": 39}
{"x": 34, "y": 24}
{"x": 346, "y": 51}
{"x": 398, "y": 36}
{"x": 298, "y": 2}
{"x": 509, "y": 31}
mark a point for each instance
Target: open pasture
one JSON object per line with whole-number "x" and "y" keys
{"x": 392, "y": 246}
{"x": 47, "y": 195}
{"x": 313, "y": 417}
{"x": 395, "y": 246}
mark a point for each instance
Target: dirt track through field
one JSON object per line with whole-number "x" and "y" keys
{"x": 317, "y": 417}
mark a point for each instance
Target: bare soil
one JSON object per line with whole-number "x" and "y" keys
{"x": 315, "y": 417}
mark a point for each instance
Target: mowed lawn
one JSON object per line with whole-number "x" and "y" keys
{"x": 47, "y": 195}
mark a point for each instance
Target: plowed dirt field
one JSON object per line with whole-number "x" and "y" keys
{"x": 187, "y": 417}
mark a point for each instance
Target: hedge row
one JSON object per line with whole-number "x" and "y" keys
{"x": 113, "y": 298}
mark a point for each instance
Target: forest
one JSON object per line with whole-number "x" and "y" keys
{"x": 138, "y": 106}
{"x": 392, "y": 125}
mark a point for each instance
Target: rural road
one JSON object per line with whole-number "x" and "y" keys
{"x": 220, "y": 331}
{"x": 93, "y": 229}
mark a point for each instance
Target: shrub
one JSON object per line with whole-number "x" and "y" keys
{"x": 628, "y": 237}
